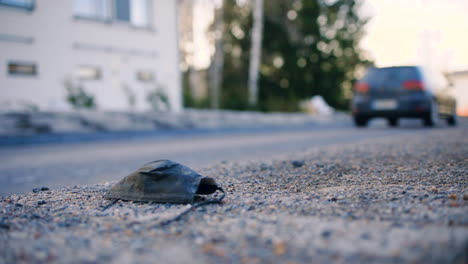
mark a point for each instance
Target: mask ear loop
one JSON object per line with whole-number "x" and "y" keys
{"x": 194, "y": 206}
{"x": 183, "y": 213}
{"x": 107, "y": 206}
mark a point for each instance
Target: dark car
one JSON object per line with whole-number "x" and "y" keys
{"x": 402, "y": 92}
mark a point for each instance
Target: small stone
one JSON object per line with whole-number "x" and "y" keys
{"x": 433, "y": 189}
{"x": 465, "y": 196}
{"x": 333, "y": 199}
{"x": 409, "y": 188}
{"x": 297, "y": 163}
{"x": 280, "y": 248}
{"x": 452, "y": 196}
{"x": 211, "y": 248}
{"x": 44, "y": 188}
{"x": 41, "y": 202}
{"x": 454, "y": 204}
{"x": 327, "y": 233}
{"x": 128, "y": 232}
{"x": 365, "y": 236}
{"x": 36, "y": 190}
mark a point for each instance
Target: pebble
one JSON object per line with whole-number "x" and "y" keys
{"x": 297, "y": 163}
{"x": 280, "y": 248}
{"x": 326, "y": 233}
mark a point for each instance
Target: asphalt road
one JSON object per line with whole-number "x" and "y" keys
{"x": 66, "y": 164}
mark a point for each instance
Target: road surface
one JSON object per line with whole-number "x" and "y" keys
{"x": 23, "y": 168}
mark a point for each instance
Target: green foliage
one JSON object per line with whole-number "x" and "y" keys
{"x": 158, "y": 100}
{"x": 310, "y": 47}
{"x": 188, "y": 98}
{"x": 78, "y": 97}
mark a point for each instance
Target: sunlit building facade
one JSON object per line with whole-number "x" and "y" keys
{"x": 118, "y": 51}
{"x": 459, "y": 83}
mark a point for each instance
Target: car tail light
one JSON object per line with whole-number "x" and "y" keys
{"x": 361, "y": 87}
{"x": 414, "y": 85}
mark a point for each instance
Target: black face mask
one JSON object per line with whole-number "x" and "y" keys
{"x": 164, "y": 181}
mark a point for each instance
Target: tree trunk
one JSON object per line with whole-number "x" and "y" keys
{"x": 216, "y": 71}
{"x": 255, "y": 52}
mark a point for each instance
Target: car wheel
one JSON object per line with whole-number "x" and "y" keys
{"x": 393, "y": 122}
{"x": 432, "y": 117}
{"x": 360, "y": 121}
{"x": 452, "y": 120}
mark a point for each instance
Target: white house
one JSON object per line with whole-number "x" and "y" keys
{"x": 459, "y": 82}
{"x": 117, "y": 50}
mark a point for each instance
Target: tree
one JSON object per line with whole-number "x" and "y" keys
{"x": 216, "y": 70}
{"x": 309, "y": 47}
{"x": 255, "y": 52}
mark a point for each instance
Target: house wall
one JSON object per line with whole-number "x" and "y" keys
{"x": 59, "y": 43}
{"x": 459, "y": 81}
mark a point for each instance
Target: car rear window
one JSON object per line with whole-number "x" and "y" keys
{"x": 394, "y": 75}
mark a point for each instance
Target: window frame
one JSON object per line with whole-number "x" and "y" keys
{"x": 108, "y": 19}
{"x": 29, "y": 7}
{"x": 149, "y": 15}
{"x": 34, "y": 74}
{"x": 112, "y": 17}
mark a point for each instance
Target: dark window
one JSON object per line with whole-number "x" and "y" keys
{"x": 26, "y": 4}
{"x": 93, "y": 9}
{"x": 392, "y": 77}
{"x": 122, "y": 10}
{"x": 145, "y": 76}
{"x": 22, "y": 68}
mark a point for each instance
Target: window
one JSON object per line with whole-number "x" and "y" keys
{"x": 94, "y": 9}
{"x": 88, "y": 73}
{"x": 122, "y": 10}
{"x": 140, "y": 11}
{"x": 135, "y": 12}
{"x": 22, "y": 68}
{"x": 145, "y": 76}
{"x": 26, "y": 4}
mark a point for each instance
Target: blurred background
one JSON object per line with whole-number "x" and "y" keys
{"x": 92, "y": 88}
{"x": 316, "y": 48}
{"x": 140, "y": 55}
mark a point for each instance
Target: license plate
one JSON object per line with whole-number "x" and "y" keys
{"x": 388, "y": 104}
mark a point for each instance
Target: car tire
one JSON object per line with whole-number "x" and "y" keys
{"x": 393, "y": 122}
{"x": 360, "y": 121}
{"x": 452, "y": 120}
{"x": 432, "y": 117}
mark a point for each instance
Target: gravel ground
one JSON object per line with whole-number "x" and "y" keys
{"x": 391, "y": 200}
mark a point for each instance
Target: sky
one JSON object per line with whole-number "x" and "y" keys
{"x": 203, "y": 17}
{"x": 431, "y": 32}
